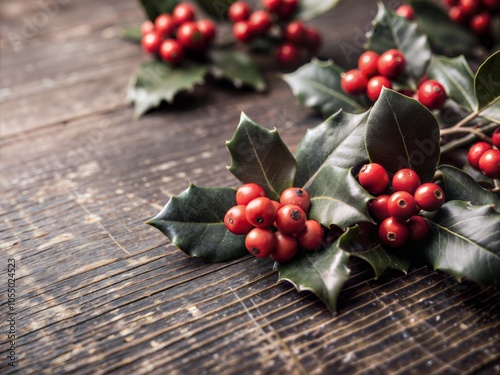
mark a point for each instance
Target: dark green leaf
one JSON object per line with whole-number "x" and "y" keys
{"x": 156, "y": 81}
{"x": 460, "y": 186}
{"x": 456, "y": 77}
{"x": 339, "y": 140}
{"x": 444, "y": 34}
{"x": 194, "y": 222}
{"x": 216, "y": 9}
{"x": 402, "y": 133}
{"x": 337, "y": 198}
{"x": 154, "y": 8}
{"x": 391, "y": 31}
{"x": 465, "y": 242}
{"x": 316, "y": 85}
{"x": 259, "y": 155}
{"x": 487, "y": 88}
{"x": 237, "y": 67}
{"x": 310, "y": 9}
{"x": 132, "y": 33}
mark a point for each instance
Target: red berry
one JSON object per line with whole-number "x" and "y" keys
{"x": 236, "y": 221}
{"x": 480, "y": 24}
{"x": 260, "y": 22}
{"x": 272, "y": 5}
{"x": 375, "y": 85}
{"x": 242, "y": 31}
{"x": 429, "y": 196}
{"x": 285, "y": 249}
{"x": 171, "y": 51}
{"x": 393, "y": 233}
{"x": 239, "y": 11}
{"x": 311, "y": 237}
{"x": 476, "y": 151}
{"x": 190, "y": 36}
{"x": 248, "y": 192}
{"x": 151, "y": 42}
{"x": 367, "y": 63}
{"x": 374, "y": 178}
{"x": 207, "y": 29}
{"x": 296, "y": 196}
{"x": 406, "y": 179}
{"x": 288, "y": 55}
{"x": 313, "y": 39}
{"x": 261, "y": 212}
{"x": 406, "y": 11}
{"x": 391, "y": 63}
{"x": 401, "y": 205}
{"x": 287, "y": 9}
{"x": 290, "y": 219}
{"x": 182, "y": 13}
{"x": 147, "y": 27}
{"x": 378, "y": 208}
{"x": 164, "y": 25}
{"x": 260, "y": 242}
{"x": 353, "y": 82}
{"x": 489, "y": 163}
{"x": 469, "y": 7}
{"x": 457, "y": 14}
{"x": 495, "y": 138}
{"x": 277, "y": 205}
{"x": 431, "y": 94}
{"x": 295, "y": 32}
{"x": 419, "y": 228}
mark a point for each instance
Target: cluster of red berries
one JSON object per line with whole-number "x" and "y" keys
{"x": 295, "y": 35}
{"x": 272, "y": 228}
{"x": 376, "y": 71}
{"x": 174, "y": 35}
{"x": 396, "y": 210}
{"x": 473, "y": 14}
{"x": 486, "y": 157}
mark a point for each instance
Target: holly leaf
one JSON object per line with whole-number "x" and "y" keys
{"x": 310, "y": 9}
{"x": 460, "y": 186}
{"x": 216, "y": 9}
{"x": 132, "y": 33}
{"x": 153, "y": 8}
{"x": 316, "y": 85}
{"x": 444, "y": 34}
{"x": 260, "y": 156}
{"x": 457, "y": 79}
{"x": 487, "y": 88}
{"x": 337, "y": 198}
{"x": 325, "y": 272}
{"x": 339, "y": 141}
{"x": 464, "y": 242}
{"x": 237, "y": 67}
{"x": 391, "y": 31}
{"x": 156, "y": 81}
{"x": 402, "y": 133}
{"x": 194, "y": 222}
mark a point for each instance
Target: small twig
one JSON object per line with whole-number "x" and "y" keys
{"x": 465, "y": 140}
{"x": 465, "y": 120}
{"x": 477, "y": 132}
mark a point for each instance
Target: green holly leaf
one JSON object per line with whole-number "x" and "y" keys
{"x": 316, "y": 85}
{"x": 132, "y": 33}
{"x": 487, "y": 88}
{"x": 310, "y": 9}
{"x": 457, "y": 79}
{"x": 391, "y": 31}
{"x": 325, "y": 272}
{"x": 194, "y": 222}
{"x": 339, "y": 141}
{"x": 260, "y": 156}
{"x": 156, "y": 81}
{"x": 237, "y": 67}
{"x": 216, "y": 9}
{"x": 337, "y": 198}
{"x": 460, "y": 186}
{"x": 464, "y": 242}
{"x": 445, "y": 35}
{"x": 402, "y": 133}
{"x": 153, "y": 8}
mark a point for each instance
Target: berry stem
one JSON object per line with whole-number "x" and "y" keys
{"x": 477, "y": 132}
{"x": 465, "y": 120}
{"x": 459, "y": 142}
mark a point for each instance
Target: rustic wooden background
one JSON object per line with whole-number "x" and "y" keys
{"x": 98, "y": 291}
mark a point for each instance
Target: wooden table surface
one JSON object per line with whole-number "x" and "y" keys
{"x": 98, "y": 291}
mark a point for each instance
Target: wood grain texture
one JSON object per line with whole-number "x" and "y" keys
{"x": 100, "y": 292}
